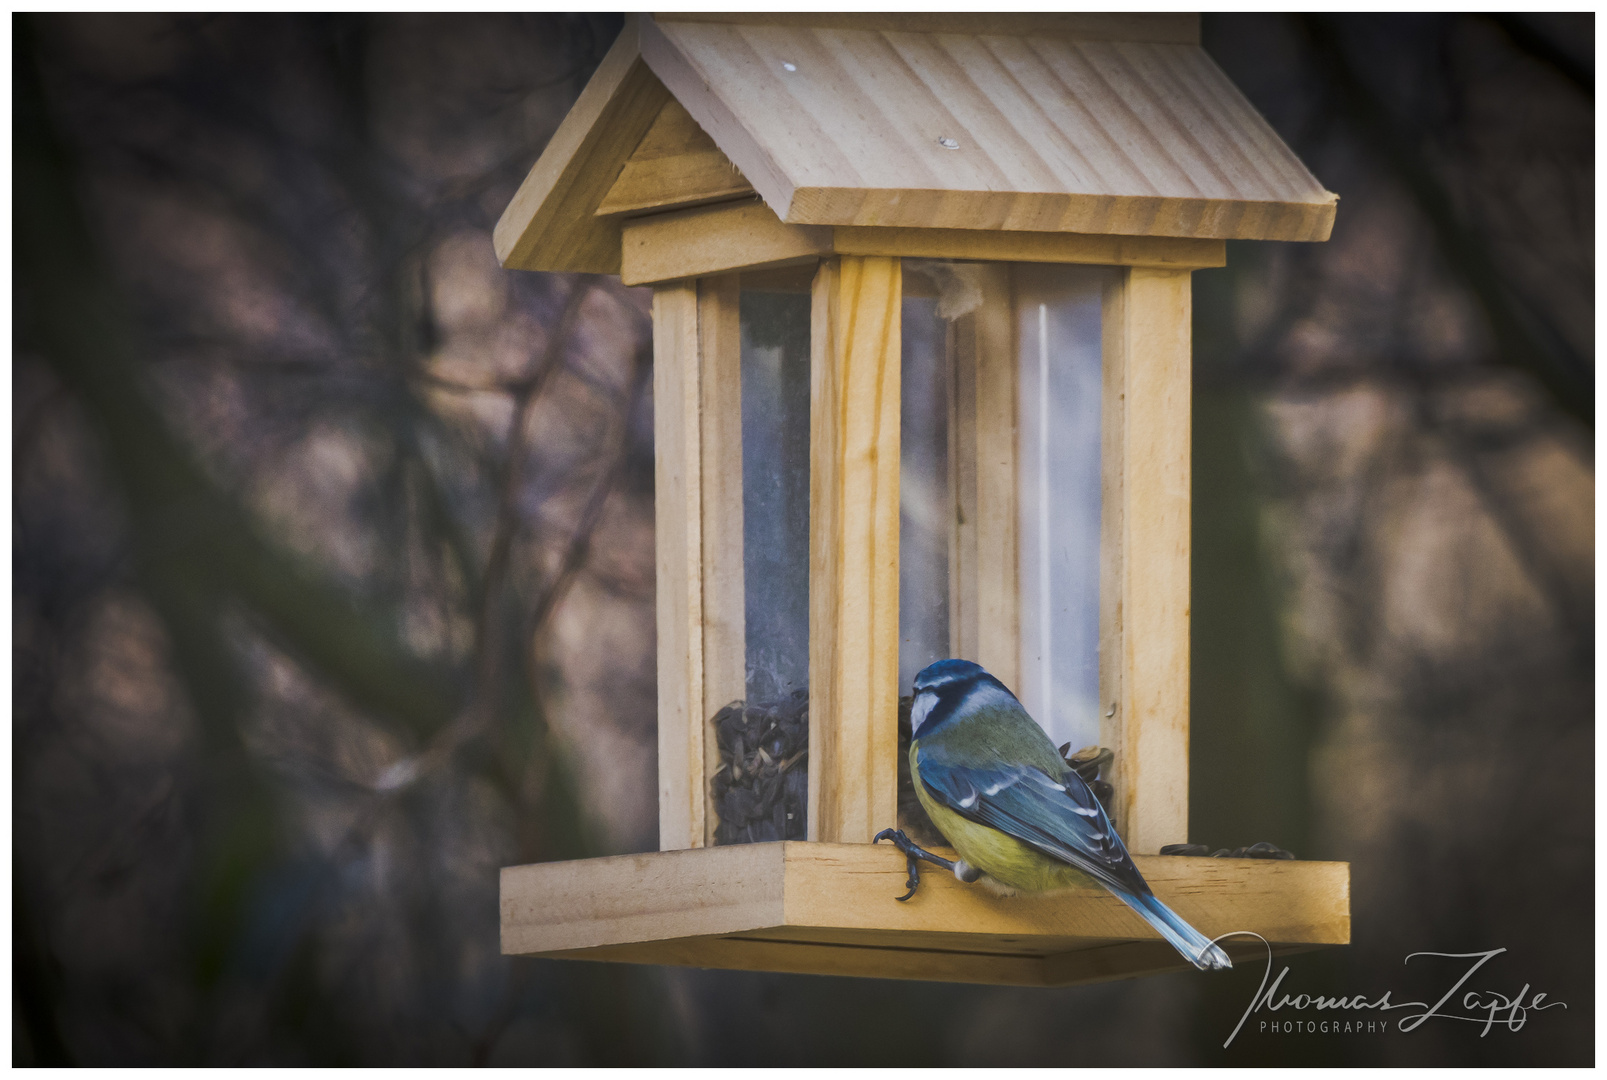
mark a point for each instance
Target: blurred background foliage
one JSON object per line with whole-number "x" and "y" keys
{"x": 333, "y": 564}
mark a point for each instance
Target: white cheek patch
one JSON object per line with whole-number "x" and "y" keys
{"x": 922, "y": 709}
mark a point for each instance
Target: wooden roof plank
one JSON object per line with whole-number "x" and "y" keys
{"x": 1027, "y": 87}
{"x": 1256, "y": 140}
{"x": 714, "y": 114}
{"x": 799, "y": 119}
{"x": 851, "y": 133}
{"x": 900, "y": 116}
{"x": 1171, "y": 151}
{"x": 982, "y": 62}
{"x": 1116, "y": 125}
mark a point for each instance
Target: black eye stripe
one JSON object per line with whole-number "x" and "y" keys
{"x": 953, "y": 695}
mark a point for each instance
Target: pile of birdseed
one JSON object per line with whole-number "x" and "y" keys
{"x": 761, "y": 790}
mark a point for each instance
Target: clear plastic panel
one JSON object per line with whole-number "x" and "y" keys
{"x": 775, "y": 491}
{"x": 1056, "y": 310}
{"x": 925, "y": 501}
{"x": 760, "y": 790}
{"x": 1058, "y": 321}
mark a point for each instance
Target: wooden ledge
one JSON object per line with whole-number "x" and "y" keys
{"x": 829, "y": 909}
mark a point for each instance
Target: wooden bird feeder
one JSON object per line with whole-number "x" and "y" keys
{"x": 921, "y": 339}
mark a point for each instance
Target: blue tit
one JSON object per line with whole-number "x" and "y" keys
{"x": 995, "y": 786}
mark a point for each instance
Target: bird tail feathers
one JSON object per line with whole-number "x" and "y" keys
{"x": 1195, "y": 946}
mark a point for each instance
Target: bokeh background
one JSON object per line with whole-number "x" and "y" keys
{"x": 332, "y": 558}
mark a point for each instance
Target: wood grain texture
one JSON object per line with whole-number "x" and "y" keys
{"x": 853, "y": 548}
{"x": 647, "y": 897}
{"x": 677, "y": 164}
{"x": 998, "y": 511}
{"x": 829, "y": 909}
{"x": 724, "y": 642}
{"x": 714, "y": 240}
{"x": 1176, "y": 28}
{"x": 549, "y": 225}
{"x": 1051, "y": 134}
{"x": 841, "y": 886}
{"x": 1157, "y": 251}
{"x": 1112, "y": 504}
{"x": 1144, "y": 665}
{"x": 678, "y": 552}
{"x": 747, "y": 236}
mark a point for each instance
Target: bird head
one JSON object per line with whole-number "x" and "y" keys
{"x": 942, "y": 687}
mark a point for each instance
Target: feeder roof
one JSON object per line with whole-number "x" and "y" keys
{"x": 1103, "y": 124}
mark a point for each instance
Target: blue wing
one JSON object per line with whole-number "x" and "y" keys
{"x": 1059, "y": 817}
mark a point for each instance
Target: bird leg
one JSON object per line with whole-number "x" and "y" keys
{"x": 913, "y": 853}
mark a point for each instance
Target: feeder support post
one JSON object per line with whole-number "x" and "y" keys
{"x": 1144, "y": 616}
{"x": 853, "y": 547}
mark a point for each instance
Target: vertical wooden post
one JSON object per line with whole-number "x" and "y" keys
{"x": 1144, "y": 544}
{"x": 697, "y": 424}
{"x": 677, "y": 534}
{"x": 724, "y": 582}
{"x": 853, "y": 548}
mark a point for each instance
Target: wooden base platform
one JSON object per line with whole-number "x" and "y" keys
{"x": 829, "y": 909}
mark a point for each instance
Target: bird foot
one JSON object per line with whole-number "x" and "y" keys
{"x": 914, "y": 854}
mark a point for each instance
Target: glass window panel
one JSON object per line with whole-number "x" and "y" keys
{"x": 775, "y": 492}
{"x": 760, "y": 790}
{"x": 1058, "y": 321}
{"x": 1056, "y": 311}
{"x": 925, "y": 501}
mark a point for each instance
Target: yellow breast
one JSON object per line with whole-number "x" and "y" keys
{"x": 1000, "y": 856}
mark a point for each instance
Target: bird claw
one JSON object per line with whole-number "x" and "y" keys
{"x": 913, "y": 854}
{"x": 914, "y": 881}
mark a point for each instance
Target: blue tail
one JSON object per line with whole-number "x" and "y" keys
{"x": 1195, "y": 946}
